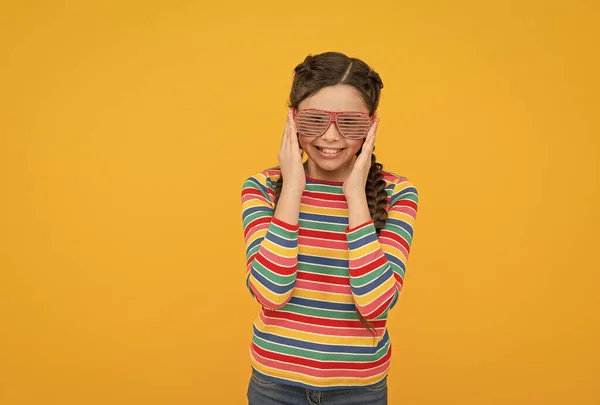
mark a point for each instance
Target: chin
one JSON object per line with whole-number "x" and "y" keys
{"x": 330, "y": 165}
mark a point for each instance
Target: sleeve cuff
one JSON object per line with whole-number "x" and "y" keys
{"x": 359, "y": 227}
{"x": 285, "y": 225}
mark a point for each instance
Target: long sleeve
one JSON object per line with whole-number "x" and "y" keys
{"x": 377, "y": 264}
{"x": 271, "y": 247}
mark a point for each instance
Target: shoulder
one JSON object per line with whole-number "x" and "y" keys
{"x": 267, "y": 176}
{"x": 396, "y": 179}
{"x": 264, "y": 180}
{"x": 401, "y": 186}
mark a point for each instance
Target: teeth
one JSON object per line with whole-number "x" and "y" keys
{"x": 330, "y": 151}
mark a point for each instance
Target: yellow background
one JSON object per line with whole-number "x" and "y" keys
{"x": 128, "y": 128}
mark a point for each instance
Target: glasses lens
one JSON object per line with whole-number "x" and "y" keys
{"x": 312, "y": 123}
{"x": 354, "y": 125}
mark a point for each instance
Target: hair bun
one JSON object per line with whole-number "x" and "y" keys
{"x": 304, "y": 66}
{"x": 375, "y": 76}
{"x": 308, "y": 61}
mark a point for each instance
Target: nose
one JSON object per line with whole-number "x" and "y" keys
{"x": 332, "y": 133}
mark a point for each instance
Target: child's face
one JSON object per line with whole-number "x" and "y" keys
{"x": 331, "y": 151}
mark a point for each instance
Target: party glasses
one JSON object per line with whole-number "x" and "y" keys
{"x": 314, "y": 123}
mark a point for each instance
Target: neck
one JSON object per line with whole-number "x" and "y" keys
{"x": 338, "y": 175}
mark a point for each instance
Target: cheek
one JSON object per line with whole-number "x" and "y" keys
{"x": 354, "y": 145}
{"x": 304, "y": 142}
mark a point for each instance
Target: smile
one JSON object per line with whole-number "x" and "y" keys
{"x": 329, "y": 151}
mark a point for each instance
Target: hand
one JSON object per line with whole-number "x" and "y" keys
{"x": 357, "y": 180}
{"x": 290, "y": 158}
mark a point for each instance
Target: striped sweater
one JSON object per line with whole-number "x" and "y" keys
{"x": 312, "y": 279}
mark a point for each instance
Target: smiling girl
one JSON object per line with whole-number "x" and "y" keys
{"x": 327, "y": 243}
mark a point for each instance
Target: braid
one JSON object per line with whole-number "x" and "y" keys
{"x": 376, "y": 200}
{"x": 376, "y": 194}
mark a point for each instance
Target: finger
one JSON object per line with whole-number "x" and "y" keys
{"x": 364, "y": 158}
{"x": 284, "y": 138}
{"x": 367, "y": 149}
{"x": 370, "y": 141}
{"x": 295, "y": 139}
{"x": 295, "y": 130}
{"x": 294, "y": 135}
{"x": 288, "y": 138}
{"x": 292, "y": 138}
{"x": 373, "y": 129}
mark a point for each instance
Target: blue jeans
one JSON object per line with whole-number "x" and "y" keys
{"x": 263, "y": 392}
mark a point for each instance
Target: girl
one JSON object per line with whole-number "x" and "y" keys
{"x": 327, "y": 243}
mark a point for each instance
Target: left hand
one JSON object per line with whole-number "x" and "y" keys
{"x": 357, "y": 180}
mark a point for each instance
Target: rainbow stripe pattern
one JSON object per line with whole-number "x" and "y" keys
{"x": 313, "y": 278}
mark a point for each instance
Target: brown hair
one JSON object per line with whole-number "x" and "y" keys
{"x": 329, "y": 69}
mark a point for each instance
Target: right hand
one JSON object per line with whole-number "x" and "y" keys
{"x": 290, "y": 158}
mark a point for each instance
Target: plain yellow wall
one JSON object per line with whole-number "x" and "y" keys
{"x": 128, "y": 128}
